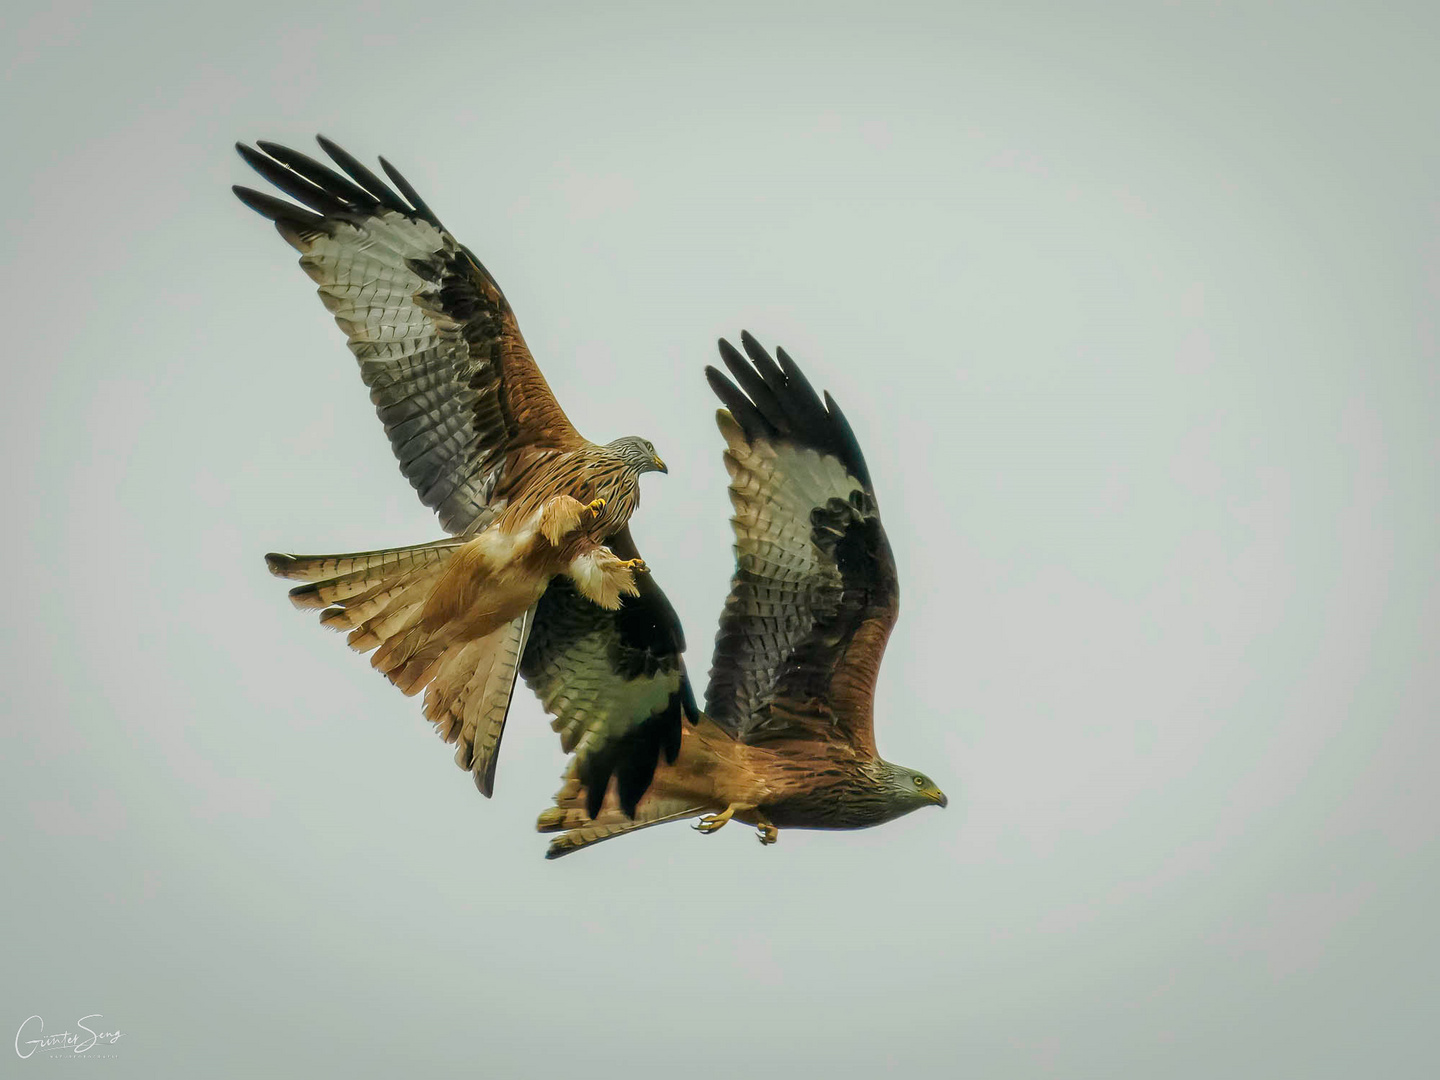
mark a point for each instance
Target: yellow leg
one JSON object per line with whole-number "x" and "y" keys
{"x": 595, "y": 506}
{"x": 768, "y": 832}
{"x": 636, "y": 566}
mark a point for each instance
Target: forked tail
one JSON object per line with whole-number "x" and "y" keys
{"x": 379, "y": 597}
{"x": 578, "y": 830}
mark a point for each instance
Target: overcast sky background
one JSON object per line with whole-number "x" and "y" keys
{"x": 1135, "y": 313}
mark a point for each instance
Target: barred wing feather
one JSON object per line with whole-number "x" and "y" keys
{"x": 461, "y": 398}
{"x": 815, "y": 592}
{"x": 613, "y": 681}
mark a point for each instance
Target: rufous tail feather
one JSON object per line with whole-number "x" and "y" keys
{"x": 578, "y": 830}
{"x": 381, "y": 598}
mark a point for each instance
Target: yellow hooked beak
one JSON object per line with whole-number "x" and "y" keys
{"x": 938, "y": 797}
{"x": 660, "y": 465}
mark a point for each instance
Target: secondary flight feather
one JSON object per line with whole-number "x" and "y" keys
{"x": 540, "y": 576}
{"x": 480, "y": 436}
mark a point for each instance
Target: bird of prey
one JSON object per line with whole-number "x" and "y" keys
{"x": 532, "y": 506}
{"x": 786, "y": 739}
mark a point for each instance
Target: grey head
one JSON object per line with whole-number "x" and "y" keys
{"x": 909, "y": 790}
{"x": 639, "y": 454}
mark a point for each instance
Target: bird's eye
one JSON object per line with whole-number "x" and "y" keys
{"x": 919, "y": 781}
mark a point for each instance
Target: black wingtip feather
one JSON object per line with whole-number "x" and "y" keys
{"x": 849, "y": 443}
{"x": 279, "y": 564}
{"x": 804, "y": 396}
{"x": 409, "y": 192}
{"x": 277, "y": 210}
{"x": 642, "y": 640}
{"x": 364, "y": 177}
{"x": 320, "y": 174}
{"x": 633, "y": 758}
{"x": 291, "y": 182}
{"x": 777, "y": 402}
{"x": 770, "y": 374}
{"x": 752, "y": 380}
{"x": 326, "y": 191}
{"x": 745, "y": 414}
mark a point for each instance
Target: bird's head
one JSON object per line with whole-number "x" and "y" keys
{"x": 913, "y": 790}
{"x": 639, "y": 454}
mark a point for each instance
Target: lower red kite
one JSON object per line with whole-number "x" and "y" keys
{"x": 787, "y": 738}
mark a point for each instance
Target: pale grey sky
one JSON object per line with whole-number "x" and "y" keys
{"x": 1134, "y": 310}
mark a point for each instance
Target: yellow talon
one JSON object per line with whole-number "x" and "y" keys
{"x": 636, "y": 566}
{"x": 768, "y": 834}
{"x": 710, "y": 822}
{"x": 596, "y": 506}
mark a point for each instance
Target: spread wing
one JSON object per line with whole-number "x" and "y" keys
{"x": 815, "y": 592}
{"x": 614, "y": 681}
{"x": 462, "y": 400}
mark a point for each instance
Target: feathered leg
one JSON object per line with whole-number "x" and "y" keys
{"x": 559, "y": 517}
{"x": 602, "y": 577}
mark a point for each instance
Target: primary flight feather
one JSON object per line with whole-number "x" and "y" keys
{"x": 787, "y": 736}
{"x": 485, "y": 444}
{"x": 540, "y": 576}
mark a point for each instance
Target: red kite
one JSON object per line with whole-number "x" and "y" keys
{"x": 540, "y": 574}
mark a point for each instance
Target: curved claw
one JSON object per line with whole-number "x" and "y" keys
{"x": 710, "y": 822}
{"x": 595, "y": 506}
{"x": 636, "y": 566}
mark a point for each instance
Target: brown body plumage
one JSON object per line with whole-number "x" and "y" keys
{"x": 540, "y": 577}
{"x": 788, "y": 785}
{"x": 504, "y": 569}
{"x": 476, "y": 431}
{"x": 787, "y": 740}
